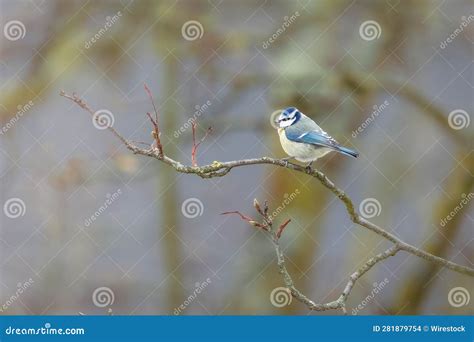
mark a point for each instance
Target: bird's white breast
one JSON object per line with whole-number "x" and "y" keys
{"x": 301, "y": 151}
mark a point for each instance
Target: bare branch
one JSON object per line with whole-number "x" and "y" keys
{"x": 220, "y": 169}
{"x": 84, "y": 106}
{"x": 196, "y": 145}
{"x": 340, "y": 302}
{"x": 156, "y": 129}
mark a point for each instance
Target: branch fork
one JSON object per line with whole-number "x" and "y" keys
{"x": 275, "y": 234}
{"x": 154, "y": 121}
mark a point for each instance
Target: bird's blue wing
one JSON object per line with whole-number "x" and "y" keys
{"x": 299, "y": 134}
{"x": 317, "y": 138}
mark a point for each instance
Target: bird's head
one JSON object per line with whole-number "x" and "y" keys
{"x": 288, "y": 117}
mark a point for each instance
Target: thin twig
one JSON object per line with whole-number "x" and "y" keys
{"x": 195, "y": 146}
{"x": 250, "y": 220}
{"x": 156, "y": 127}
{"x": 340, "y": 302}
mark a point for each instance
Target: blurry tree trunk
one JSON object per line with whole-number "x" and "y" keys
{"x": 418, "y": 284}
{"x": 170, "y": 246}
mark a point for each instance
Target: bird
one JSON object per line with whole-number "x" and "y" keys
{"x": 302, "y": 139}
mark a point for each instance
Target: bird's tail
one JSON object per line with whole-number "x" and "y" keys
{"x": 347, "y": 151}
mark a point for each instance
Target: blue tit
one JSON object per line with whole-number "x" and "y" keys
{"x": 302, "y": 139}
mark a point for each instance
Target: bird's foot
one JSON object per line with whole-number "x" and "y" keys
{"x": 286, "y": 160}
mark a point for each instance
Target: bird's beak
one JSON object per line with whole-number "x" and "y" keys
{"x": 277, "y": 121}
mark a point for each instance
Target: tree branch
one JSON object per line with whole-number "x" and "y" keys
{"x": 196, "y": 145}
{"x": 220, "y": 169}
{"x": 156, "y": 128}
{"x": 275, "y": 234}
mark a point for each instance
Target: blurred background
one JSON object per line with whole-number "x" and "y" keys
{"x": 87, "y": 227}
